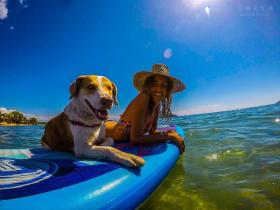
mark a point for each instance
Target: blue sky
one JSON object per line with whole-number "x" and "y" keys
{"x": 227, "y": 52}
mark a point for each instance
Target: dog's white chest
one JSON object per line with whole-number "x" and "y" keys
{"x": 85, "y": 135}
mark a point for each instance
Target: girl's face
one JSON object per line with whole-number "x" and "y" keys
{"x": 159, "y": 88}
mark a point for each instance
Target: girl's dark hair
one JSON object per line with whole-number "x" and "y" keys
{"x": 165, "y": 111}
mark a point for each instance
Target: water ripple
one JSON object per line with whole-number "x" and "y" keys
{"x": 233, "y": 157}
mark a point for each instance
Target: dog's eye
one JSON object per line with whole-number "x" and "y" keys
{"x": 108, "y": 87}
{"x": 91, "y": 87}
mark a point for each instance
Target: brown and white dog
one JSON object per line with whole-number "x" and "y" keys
{"x": 80, "y": 127}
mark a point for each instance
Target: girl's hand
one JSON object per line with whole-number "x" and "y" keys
{"x": 177, "y": 140}
{"x": 156, "y": 132}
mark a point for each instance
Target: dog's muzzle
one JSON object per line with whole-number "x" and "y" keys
{"x": 107, "y": 102}
{"x": 101, "y": 114}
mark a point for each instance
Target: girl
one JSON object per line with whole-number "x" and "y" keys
{"x": 139, "y": 121}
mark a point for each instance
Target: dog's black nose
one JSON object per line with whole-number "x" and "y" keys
{"x": 107, "y": 102}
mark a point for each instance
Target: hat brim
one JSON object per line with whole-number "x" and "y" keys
{"x": 140, "y": 78}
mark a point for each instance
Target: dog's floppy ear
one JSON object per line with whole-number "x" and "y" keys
{"x": 115, "y": 92}
{"x": 75, "y": 87}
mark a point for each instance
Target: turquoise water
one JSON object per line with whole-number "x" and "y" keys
{"x": 232, "y": 161}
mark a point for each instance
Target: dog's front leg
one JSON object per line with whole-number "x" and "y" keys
{"x": 106, "y": 153}
{"x": 107, "y": 142}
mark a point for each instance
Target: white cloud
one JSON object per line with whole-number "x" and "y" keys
{"x": 4, "y": 110}
{"x": 3, "y": 9}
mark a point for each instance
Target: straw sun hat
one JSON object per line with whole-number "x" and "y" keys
{"x": 157, "y": 69}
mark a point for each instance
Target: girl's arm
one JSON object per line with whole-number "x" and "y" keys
{"x": 159, "y": 137}
{"x": 137, "y": 136}
{"x": 155, "y": 121}
{"x": 139, "y": 113}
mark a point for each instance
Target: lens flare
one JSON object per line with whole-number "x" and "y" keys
{"x": 167, "y": 53}
{"x": 207, "y": 10}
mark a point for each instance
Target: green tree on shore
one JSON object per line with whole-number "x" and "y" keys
{"x": 33, "y": 121}
{"x": 17, "y": 118}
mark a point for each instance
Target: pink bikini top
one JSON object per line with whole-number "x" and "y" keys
{"x": 149, "y": 126}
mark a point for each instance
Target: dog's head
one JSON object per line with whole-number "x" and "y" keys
{"x": 95, "y": 93}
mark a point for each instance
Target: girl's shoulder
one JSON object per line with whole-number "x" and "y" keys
{"x": 142, "y": 98}
{"x": 141, "y": 101}
{"x": 138, "y": 106}
{"x": 143, "y": 95}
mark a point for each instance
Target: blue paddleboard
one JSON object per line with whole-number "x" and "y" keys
{"x": 40, "y": 179}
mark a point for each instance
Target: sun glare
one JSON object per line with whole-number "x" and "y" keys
{"x": 207, "y": 10}
{"x": 194, "y": 4}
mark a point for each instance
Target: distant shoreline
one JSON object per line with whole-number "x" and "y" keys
{"x": 13, "y": 124}
{"x": 4, "y": 124}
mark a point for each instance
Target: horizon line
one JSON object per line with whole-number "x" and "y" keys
{"x": 181, "y": 113}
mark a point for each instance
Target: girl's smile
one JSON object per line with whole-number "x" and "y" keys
{"x": 159, "y": 88}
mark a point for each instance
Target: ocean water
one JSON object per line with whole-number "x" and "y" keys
{"x": 232, "y": 161}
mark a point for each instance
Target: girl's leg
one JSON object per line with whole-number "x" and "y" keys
{"x": 114, "y": 130}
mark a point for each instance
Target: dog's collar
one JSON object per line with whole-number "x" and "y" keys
{"x": 84, "y": 125}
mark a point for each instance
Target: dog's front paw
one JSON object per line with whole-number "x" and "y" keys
{"x": 130, "y": 160}
{"x": 136, "y": 159}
